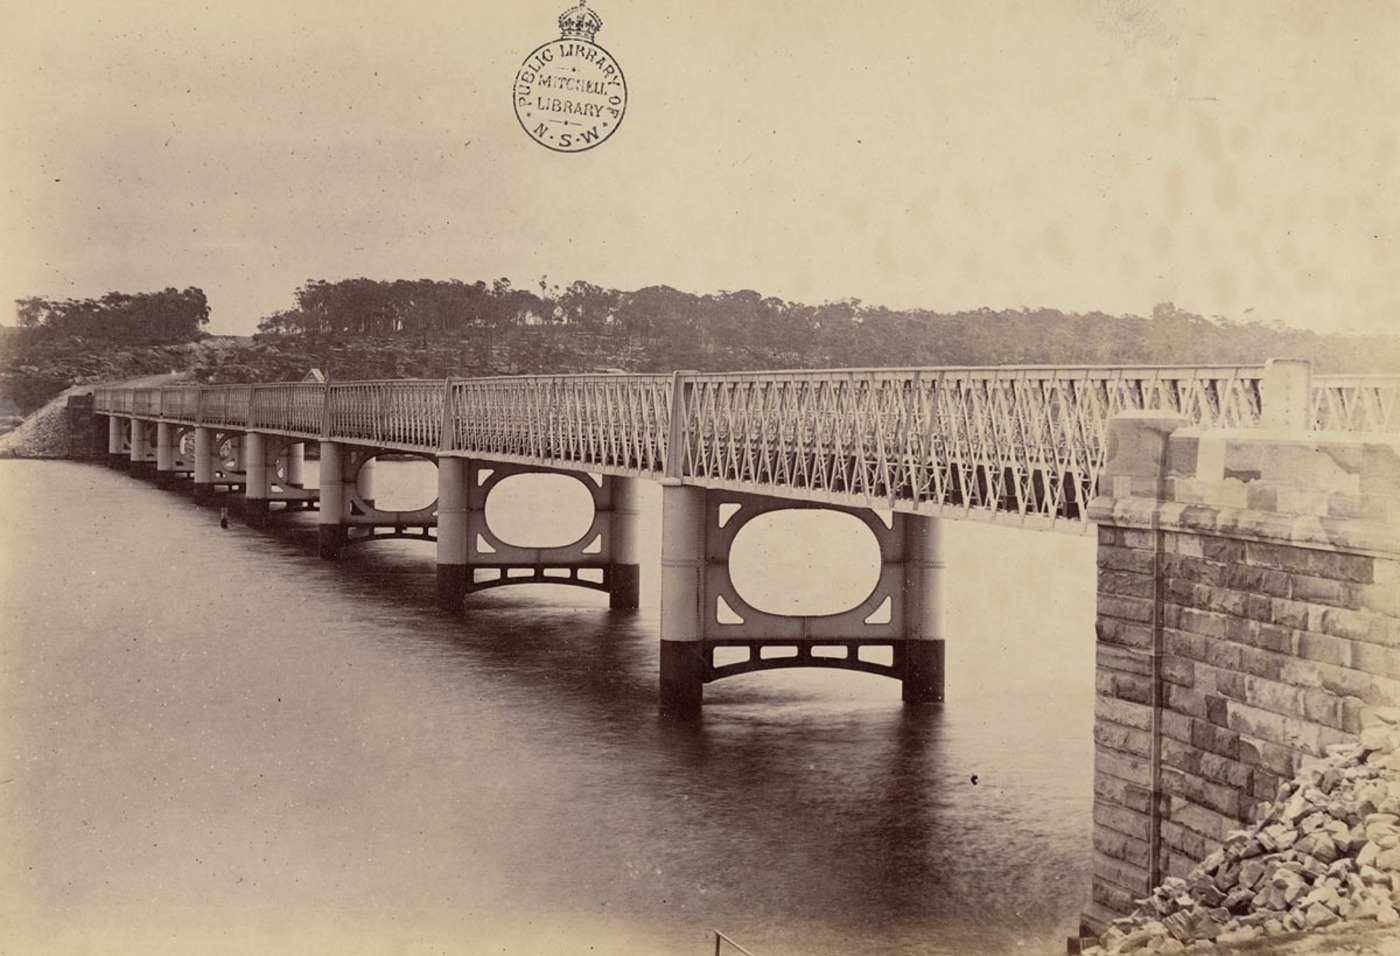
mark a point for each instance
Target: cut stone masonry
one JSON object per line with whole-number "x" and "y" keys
{"x": 1248, "y": 618}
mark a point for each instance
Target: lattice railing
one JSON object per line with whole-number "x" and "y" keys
{"x": 225, "y": 405}
{"x": 1019, "y": 440}
{"x": 145, "y": 401}
{"x": 1356, "y": 403}
{"x": 180, "y": 403}
{"x": 620, "y": 422}
{"x": 398, "y": 414}
{"x": 295, "y": 408}
{"x": 1026, "y": 442}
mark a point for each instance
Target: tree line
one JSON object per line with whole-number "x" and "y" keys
{"x": 144, "y": 318}
{"x": 658, "y": 328}
{"x": 426, "y": 328}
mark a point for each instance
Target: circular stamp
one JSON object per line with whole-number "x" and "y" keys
{"x": 570, "y": 94}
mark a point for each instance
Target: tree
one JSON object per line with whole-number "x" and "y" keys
{"x": 145, "y": 318}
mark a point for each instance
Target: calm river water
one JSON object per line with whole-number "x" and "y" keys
{"x": 214, "y": 742}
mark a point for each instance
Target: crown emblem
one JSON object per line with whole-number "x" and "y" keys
{"x": 579, "y": 23}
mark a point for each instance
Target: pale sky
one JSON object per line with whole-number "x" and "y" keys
{"x": 1239, "y": 159}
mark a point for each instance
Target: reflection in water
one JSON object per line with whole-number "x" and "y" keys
{"x": 216, "y": 742}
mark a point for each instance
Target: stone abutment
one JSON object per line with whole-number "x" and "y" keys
{"x": 1248, "y": 617}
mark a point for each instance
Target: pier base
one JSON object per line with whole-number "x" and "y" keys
{"x": 330, "y": 538}
{"x": 453, "y": 583}
{"x": 923, "y": 671}
{"x": 255, "y": 512}
{"x": 683, "y": 668}
{"x": 626, "y": 590}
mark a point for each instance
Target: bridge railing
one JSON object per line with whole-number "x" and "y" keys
{"x": 1025, "y": 440}
{"x": 180, "y": 403}
{"x": 1001, "y": 441}
{"x": 1356, "y": 403}
{"x": 297, "y": 408}
{"x": 619, "y": 422}
{"x": 398, "y": 414}
{"x": 225, "y": 405}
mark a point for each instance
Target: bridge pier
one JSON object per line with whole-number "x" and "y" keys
{"x": 117, "y": 454}
{"x": 923, "y": 646}
{"x": 684, "y": 664}
{"x": 454, "y": 536}
{"x": 330, "y": 527}
{"x": 702, "y": 611}
{"x": 142, "y": 461}
{"x": 624, "y": 531}
{"x": 256, "y": 468}
{"x": 471, "y": 557}
{"x": 293, "y": 462}
{"x": 362, "y": 482}
{"x": 203, "y": 465}
{"x": 165, "y": 455}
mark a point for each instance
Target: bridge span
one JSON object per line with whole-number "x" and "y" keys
{"x": 1247, "y": 521}
{"x": 899, "y": 449}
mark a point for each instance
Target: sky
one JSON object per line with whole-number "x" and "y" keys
{"x": 1238, "y": 159}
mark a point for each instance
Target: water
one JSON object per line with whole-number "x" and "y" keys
{"x": 212, "y": 741}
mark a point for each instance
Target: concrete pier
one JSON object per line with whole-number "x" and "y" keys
{"x": 683, "y": 663}
{"x": 203, "y": 465}
{"x": 117, "y": 454}
{"x": 925, "y": 560}
{"x": 454, "y": 534}
{"x": 331, "y": 520}
{"x": 624, "y": 530}
{"x": 255, "y": 492}
{"x": 141, "y": 462}
{"x": 292, "y": 465}
{"x": 165, "y": 455}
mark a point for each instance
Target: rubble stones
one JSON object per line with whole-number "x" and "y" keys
{"x": 1326, "y": 850}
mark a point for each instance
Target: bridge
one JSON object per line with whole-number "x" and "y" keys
{"x": 1247, "y": 518}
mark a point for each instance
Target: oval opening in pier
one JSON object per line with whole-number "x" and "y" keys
{"x": 398, "y": 484}
{"x": 539, "y": 511}
{"x": 800, "y": 562}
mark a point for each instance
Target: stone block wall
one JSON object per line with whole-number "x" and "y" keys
{"x": 1248, "y": 614}
{"x": 87, "y": 437}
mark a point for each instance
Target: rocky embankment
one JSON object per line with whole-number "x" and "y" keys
{"x": 1325, "y": 852}
{"x": 43, "y": 434}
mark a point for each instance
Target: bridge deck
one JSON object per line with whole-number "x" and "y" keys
{"x": 1023, "y": 445}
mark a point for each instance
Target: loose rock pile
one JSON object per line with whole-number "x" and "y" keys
{"x": 1326, "y": 850}
{"x": 44, "y": 434}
